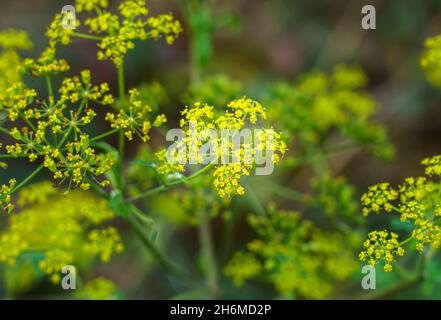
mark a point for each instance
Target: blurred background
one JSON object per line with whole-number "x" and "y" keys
{"x": 257, "y": 42}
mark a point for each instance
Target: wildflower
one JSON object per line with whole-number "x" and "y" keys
{"x": 321, "y": 103}
{"x": 99, "y": 289}
{"x": 79, "y": 88}
{"x": 89, "y": 5}
{"x": 118, "y": 32}
{"x": 63, "y": 229}
{"x": 46, "y": 64}
{"x": 416, "y": 203}
{"x": 15, "y": 39}
{"x": 378, "y": 197}
{"x": 430, "y": 60}
{"x": 57, "y": 34}
{"x": 134, "y": 118}
{"x": 282, "y": 255}
{"x": 433, "y": 165}
{"x": 164, "y": 26}
{"x": 5, "y": 195}
{"x": 79, "y": 164}
{"x": 203, "y": 122}
{"x": 381, "y": 245}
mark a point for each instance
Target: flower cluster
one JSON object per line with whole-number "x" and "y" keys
{"x": 320, "y": 104}
{"x": 78, "y": 163}
{"x": 10, "y": 61}
{"x": 294, "y": 255}
{"x": 116, "y": 33}
{"x": 99, "y": 289}
{"x": 381, "y": 245}
{"x": 416, "y": 201}
{"x": 58, "y": 230}
{"x": 133, "y": 119}
{"x": 201, "y": 122}
{"x": 430, "y": 60}
{"x": 5, "y": 195}
{"x": 56, "y": 130}
{"x": 378, "y": 197}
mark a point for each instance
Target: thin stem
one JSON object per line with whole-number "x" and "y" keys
{"x": 66, "y": 135}
{"x": 164, "y": 262}
{"x": 49, "y": 85}
{"x": 4, "y": 130}
{"x": 255, "y": 201}
{"x": 121, "y": 138}
{"x": 87, "y": 36}
{"x": 402, "y": 243}
{"x": 207, "y": 253}
{"x": 171, "y": 184}
{"x": 29, "y": 178}
{"x": 98, "y": 189}
{"x": 104, "y": 135}
{"x": 121, "y": 83}
{"x": 406, "y": 284}
{"x": 288, "y": 193}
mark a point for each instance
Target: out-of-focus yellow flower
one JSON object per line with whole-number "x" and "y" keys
{"x": 65, "y": 230}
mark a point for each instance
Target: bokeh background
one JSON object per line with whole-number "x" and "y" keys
{"x": 260, "y": 41}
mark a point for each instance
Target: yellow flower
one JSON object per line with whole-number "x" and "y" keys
{"x": 64, "y": 230}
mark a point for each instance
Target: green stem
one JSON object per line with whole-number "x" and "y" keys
{"x": 87, "y": 36}
{"x": 29, "y": 178}
{"x": 104, "y": 135}
{"x": 406, "y": 284}
{"x": 49, "y": 85}
{"x": 164, "y": 262}
{"x": 98, "y": 189}
{"x": 207, "y": 253}
{"x": 288, "y": 193}
{"x": 170, "y": 184}
{"x": 121, "y": 83}
{"x": 4, "y": 130}
{"x": 121, "y": 138}
{"x": 66, "y": 135}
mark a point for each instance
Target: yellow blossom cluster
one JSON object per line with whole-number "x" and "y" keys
{"x": 54, "y": 130}
{"x": 204, "y": 142}
{"x": 133, "y": 119}
{"x": 322, "y": 104}
{"x": 430, "y": 60}
{"x": 381, "y": 245}
{"x": 5, "y": 195}
{"x": 58, "y": 230}
{"x": 79, "y": 165}
{"x": 378, "y": 197}
{"x": 10, "y": 61}
{"x": 99, "y": 289}
{"x": 116, "y": 33}
{"x": 294, "y": 255}
{"x": 416, "y": 201}
{"x": 432, "y": 166}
